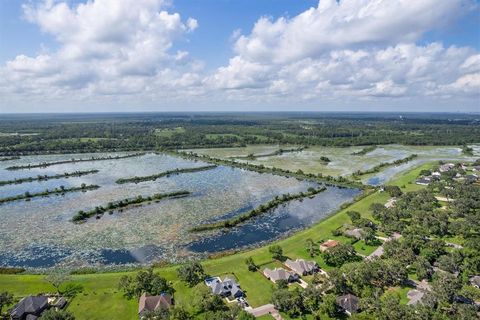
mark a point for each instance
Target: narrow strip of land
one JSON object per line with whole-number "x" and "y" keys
{"x": 265, "y": 207}
{"x": 121, "y": 204}
{"x": 364, "y": 151}
{"x": 382, "y": 165}
{"x": 46, "y": 177}
{"x": 61, "y": 190}
{"x": 48, "y": 164}
{"x": 9, "y": 158}
{"x": 154, "y": 177}
{"x": 271, "y": 154}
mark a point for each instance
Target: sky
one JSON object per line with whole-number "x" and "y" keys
{"x": 239, "y": 55}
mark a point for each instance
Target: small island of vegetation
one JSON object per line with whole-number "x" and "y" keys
{"x": 278, "y": 152}
{"x": 60, "y": 190}
{"x": 382, "y": 165}
{"x": 265, "y": 207}
{"x": 154, "y": 177}
{"x": 9, "y": 158}
{"x": 48, "y": 164}
{"x": 46, "y": 177}
{"x": 364, "y": 151}
{"x": 121, "y": 204}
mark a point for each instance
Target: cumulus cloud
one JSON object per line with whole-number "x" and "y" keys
{"x": 353, "y": 49}
{"x": 345, "y": 23}
{"x": 105, "y": 46}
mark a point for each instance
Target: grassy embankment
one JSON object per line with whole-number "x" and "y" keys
{"x": 154, "y": 177}
{"x": 47, "y": 177}
{"x": 48, "y": 164}
{"x": 27, "y": 196}
{"x": 101, "y": 299}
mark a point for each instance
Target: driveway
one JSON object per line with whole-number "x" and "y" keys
{"x": 265, "y": 309}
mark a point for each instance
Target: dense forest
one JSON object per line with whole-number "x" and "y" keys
{"x": 24, "y": 134}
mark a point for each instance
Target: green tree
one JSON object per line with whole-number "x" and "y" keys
{"x": 251, "y": 264}
{"x": 393, "y": 191}
{"x": 52, "y": 314}
{"x": 354, "y": 215}
{"x": 6, "y": 298}
{"x": 282, "y": 284}
{"x": 56, "y": 279}
{"x": 312, "y": 248}
{"x": 192, "y": 273}
{"x": 145, "y": 281}
{"x": 179, "y": 313}
{"x": 445, "y": 286}
{"x": 340, "y": 254}
{"x": 423, "y": 268}
{"x": 276, "y": 251}
{"x": 329, "y": 305}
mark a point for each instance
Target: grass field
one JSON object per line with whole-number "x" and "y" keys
{"x": 100, "y": 298}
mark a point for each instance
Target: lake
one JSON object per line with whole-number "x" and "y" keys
{"x": 39, "y": 233}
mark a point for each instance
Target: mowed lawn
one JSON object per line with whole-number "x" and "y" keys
{"x": 101, "y": 299}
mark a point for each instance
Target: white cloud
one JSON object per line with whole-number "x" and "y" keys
{"x": 353, "y": 50}
{"x": 346, "y": 23}
{"x": 106, "y": 46}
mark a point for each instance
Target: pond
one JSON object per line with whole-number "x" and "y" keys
{"x": 39, "y": 233}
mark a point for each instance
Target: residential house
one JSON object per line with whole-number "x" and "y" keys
{"x": 471, "y": 178}
{"x": 328, "y": 244}
{"x": 30, "y": 308}
{"x": 436, "y": 174}
{"x": 302, "y": 267}
{"x": 348, "y": 303}
{"x": 446, "y": 167}
{"x": 475, "y": 281}
{"x": 152, "y": 303}
{"x": 354, "y": 233}
{"x": 226, "y": 288}
{"x": 280, "y": 274}
{"x": 414, "y": 296}
{"x": 391, "y": 203}
{"x": 423, "y": 181}
{"x": 61, "y": 303}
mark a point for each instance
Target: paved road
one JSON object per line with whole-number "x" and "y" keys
{"x": 265, "y": 309}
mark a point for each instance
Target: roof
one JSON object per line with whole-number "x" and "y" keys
{"x": 330, "y": 243}
{"x": 31, "y": 317}
{"x": 475, "y": 280}
{"x": 152, "y": 303}
{"x": 61, "y": 303}
{"x": 226, "y": 287}
{"x": 414, "y": 296}
{"x": 356, "y": 233}
{"x": 277, "y": 274}
{"x": 301, "y": 266}
{"x": 29, "y": 305}
{"x": 349, "y": 303}
{"x": 423, "y": 181}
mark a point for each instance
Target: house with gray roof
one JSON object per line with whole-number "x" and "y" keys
{"x": 280, "y": 274}
{"x": 30, "y": 308}
{"x": 302, "y": 267}
{"x": 226, "y": 288}
{"x": 475, "y": 281}
{"x": 348, "y": 303}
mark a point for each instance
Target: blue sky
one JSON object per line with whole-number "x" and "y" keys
{"x": 108, "y": 55}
